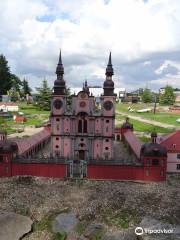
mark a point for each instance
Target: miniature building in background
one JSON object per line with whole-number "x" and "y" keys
{"x": 9, "y": 107}
{"x": 172, "y": 143}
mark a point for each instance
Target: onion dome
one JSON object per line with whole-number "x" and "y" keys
{"x": 127, "y": 125}
{"x": 153, "y": 149}
{"x": 8, "y": 146}
{"x": 108, "y": 83}
{"x": 59, "y": 83}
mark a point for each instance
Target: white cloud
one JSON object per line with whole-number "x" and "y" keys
{"x": 88, "y": 29}
{"x": 147, "y": 63}
{"x": 166, "y": 64}
{"x": 169, "y": 79}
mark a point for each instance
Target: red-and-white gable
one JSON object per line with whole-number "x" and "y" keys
{"x": 9, "y": 106}
{"x": 172, "y": 142}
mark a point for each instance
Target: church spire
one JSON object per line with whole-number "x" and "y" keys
{"x": 109, "y": 63}
{"x": 60, "y": 60}
{"x": 60, "y": 67}
{"x": 108, "y": 83}
{"x": 109, "y": 69}
{"x": 59, "y": 83}
{"x": 85, "y": 86}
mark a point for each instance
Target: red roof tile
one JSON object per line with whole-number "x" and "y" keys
{"x": 171, "y": 141}
{"x": 8, "y": 103}
{"x": 134, "y": 142}
{"x": 20, "y": 119}
{"x": 26, "y": 144}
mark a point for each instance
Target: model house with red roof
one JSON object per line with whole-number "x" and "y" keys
{"x": 19, "y": 119}
{"x": 172, "y": 143}
{"x": 9, "y": 107}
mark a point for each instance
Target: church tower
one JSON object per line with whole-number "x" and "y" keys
{"x": 108, "y": 83}
{"x": 108, "y": 109}
{"x": 58, "y": 108}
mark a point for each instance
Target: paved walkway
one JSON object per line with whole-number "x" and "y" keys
{"x": 153, "y": 122}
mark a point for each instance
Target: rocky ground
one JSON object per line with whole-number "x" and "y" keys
{"x": 116, "y": 206}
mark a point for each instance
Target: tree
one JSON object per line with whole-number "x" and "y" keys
{"x": 5, "y": 76}
{"x": 16, "y": 82}
{"x": 44, "y": 96}
{"x": 168, "y": 98}
{"x": 14, "y": 91}
{"x": 146, "y": 96}
{"x": 69, "y": 97}
{"x": 25, "y": 90}
{"x": 13, "y": 94}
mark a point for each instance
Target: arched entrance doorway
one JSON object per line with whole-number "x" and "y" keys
{"x": 118, "y": 137}
{"x": 81, "y": 154}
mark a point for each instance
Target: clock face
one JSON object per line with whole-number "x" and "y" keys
{"x": 108, "y": 105}
{"x": 82, "y": 104}
{"x": 58, "y": 104}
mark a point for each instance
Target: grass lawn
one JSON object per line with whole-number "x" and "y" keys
{"x": 31, "y": 109}
{"x": 10, "y": 130}
{"x": 145, "y": 127}
{"x": 33, "y": 115}
{"x": 144, "y": 139}
{"x": 164, "y": 117}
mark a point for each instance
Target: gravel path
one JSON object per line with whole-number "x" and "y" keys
{"x": 28, "y": 131}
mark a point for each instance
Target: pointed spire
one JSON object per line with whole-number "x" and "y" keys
{"x": 109, "y": 63}
{"x": 108, "y": 83}
{"x": 60, "y": 67}
{"x": 60, "y": 60}
{"x": 109, "y": 69}
{"x": 59, "y": 83}
{"x": 85, "y": 86}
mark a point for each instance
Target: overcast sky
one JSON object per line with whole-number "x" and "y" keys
{"x": 143, "y": 35}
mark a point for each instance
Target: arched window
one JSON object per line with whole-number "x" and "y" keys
{"x": 80, "y": 126}
{"x": 85, "y": 126}
{"x": 82, "y": 123}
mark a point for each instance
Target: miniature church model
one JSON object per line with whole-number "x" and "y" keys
{"x": 83, "y": 132}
